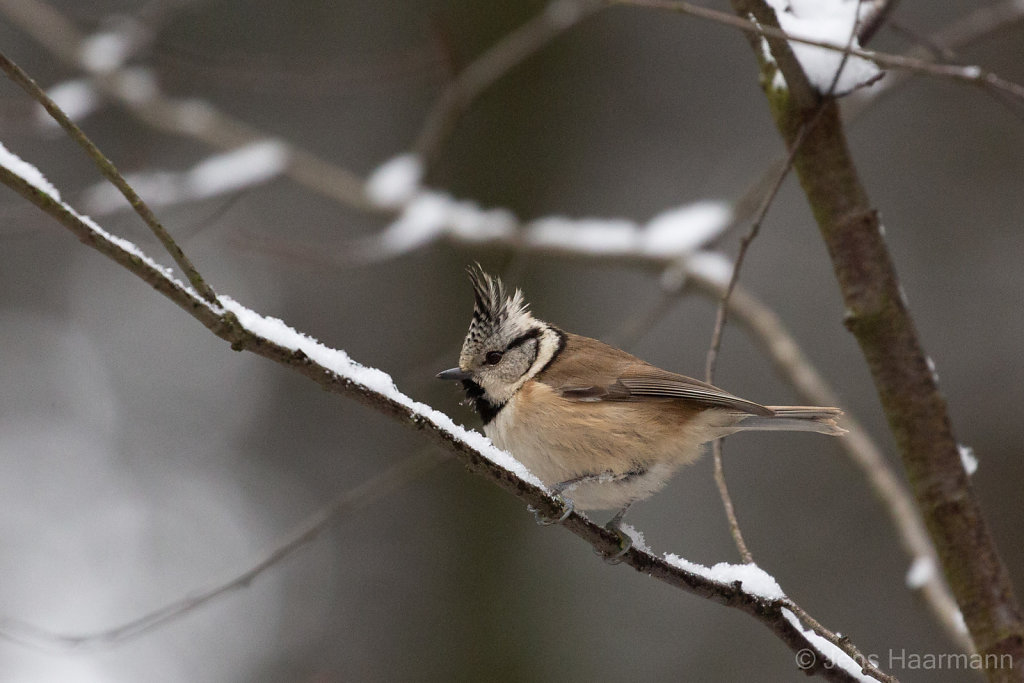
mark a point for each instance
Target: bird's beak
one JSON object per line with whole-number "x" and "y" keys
{"x": 455, "y": 373}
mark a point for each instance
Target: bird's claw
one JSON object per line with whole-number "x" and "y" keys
{"x": 625, "y": 543}
{"x": 567, "y": 508}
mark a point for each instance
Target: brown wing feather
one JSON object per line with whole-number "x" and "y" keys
{"x": 589, "y": 370}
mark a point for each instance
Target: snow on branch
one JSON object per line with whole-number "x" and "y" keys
{"x": 218, "y": 174}
{"x": 426, "y": 216}
{"x": 834, "y": 21}
{"x": 336, "y": 371}
{"x": 966, "y": 74}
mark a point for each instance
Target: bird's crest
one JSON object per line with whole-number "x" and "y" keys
{"x": 496, "y": 313}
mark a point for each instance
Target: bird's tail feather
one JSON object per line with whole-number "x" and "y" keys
{"x": 794, "y": 419}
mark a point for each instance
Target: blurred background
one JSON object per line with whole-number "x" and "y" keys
{"x": 140, "y": 459}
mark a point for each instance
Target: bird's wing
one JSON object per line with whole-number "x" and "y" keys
{"x": 597, "y": 372}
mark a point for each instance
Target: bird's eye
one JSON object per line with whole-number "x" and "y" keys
{"x": 492, "y": 357}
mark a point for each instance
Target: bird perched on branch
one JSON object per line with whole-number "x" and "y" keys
{"x": 600, "y": 427}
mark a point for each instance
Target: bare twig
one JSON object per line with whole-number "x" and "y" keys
{"x": 876, "y": 16}
{"x": 111, "y": 173}
{"x": 966, "y": 31}
{"x": 305, "y": 532}
{"x": 727, "y": 504}
{"x": 555, "y": 19}
{"x": 198, "y": 120}
{"x": 716, "y": 343}
{"x": 769, "y": 332}
{"x": 755, "y": 226}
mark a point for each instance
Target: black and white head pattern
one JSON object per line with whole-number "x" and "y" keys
{"x": 498, "y": 317}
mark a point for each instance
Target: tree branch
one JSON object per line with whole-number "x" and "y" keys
{"x": 356, "y": 498}
{"x": 557, "y": 17}
{"x": 336, "y": 372}
{"x": 198, "y": 120}
{"x": 110, "y": 172}
{"x": 967, "y": 74}
{"x": 768, "y": 331}
{"x": 878, "y": 317}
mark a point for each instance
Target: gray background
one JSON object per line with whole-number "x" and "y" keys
{"x": 142, "y": 459}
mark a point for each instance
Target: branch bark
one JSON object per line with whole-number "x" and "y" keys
{"x": 878, "y": 316}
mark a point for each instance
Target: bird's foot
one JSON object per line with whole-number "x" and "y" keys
{"x": 625, "y": 543}
{"x": 567, "y": 508}
{"x": 625, "y": 540}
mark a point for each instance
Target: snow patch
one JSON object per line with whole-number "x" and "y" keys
{"x": 218, "y": 174}
{"x": 921, "y": 571}
{"x": 754, "y": 580}
{"x": 34, "y": 177}
{"x": 685, "y": 228}
{"x": 29, "y": 173}
{"x": 396, "y": 181}
{"x": 968, "y": 459}
{"x": 604, "y": 236}
{"x": 712, "y": 266}
{"x": 836, "y": 657}
{"x": 341, "y": 364}
{"x": 77, "y": 99}
{"x": 102, "y": 53}
{"x": 831, "y": 21}
{"x": 637, "y": 536}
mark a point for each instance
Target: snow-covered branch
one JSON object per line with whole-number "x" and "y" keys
{"x": 744, "y": 587}
{"x": 426, "y": 216}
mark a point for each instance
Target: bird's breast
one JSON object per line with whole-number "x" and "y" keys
{"x": 559, "y": 440}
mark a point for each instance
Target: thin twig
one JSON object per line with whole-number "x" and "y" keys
{"x": 716, "y": 343}
{"x": 876, "y": 17}
{"x": 111, "y": 173}
{"x": 198, "y": 120}
{"x": 967, "y": 30}
{"x": 755, "y": 226}
{"x": 723, "y": 308}
{"x": 555, "y": 19}
{"x": 351, "y": 500}
{"x": 730, "y": 510}
{"x": 768, "y": 331}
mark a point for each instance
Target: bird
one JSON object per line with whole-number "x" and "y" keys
{"x": 598, "y": 426}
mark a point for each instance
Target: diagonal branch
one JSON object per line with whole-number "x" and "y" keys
{"x": 305, "y": 532}
{"x": 555, "y": 19}
{"x": 110, "y": 172}
{"x": 198, "y": 120}
{"x": 336, "y": 372}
